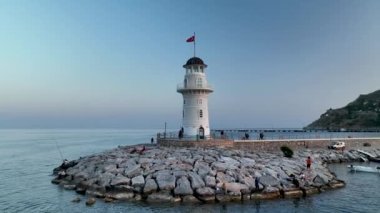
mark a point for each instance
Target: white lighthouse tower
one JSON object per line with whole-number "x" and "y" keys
{"x": 195, "y": 90}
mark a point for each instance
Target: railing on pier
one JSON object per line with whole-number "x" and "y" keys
{"x": 288, "y": 134}
{"x": 175, "y": 136}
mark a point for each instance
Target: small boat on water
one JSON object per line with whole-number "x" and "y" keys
{"x": 364, "y": 169}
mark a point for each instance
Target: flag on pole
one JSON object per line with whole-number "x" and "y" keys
{"x": 191, "y": 39}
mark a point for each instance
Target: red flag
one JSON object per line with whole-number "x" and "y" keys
{"x": 191, "y": 39}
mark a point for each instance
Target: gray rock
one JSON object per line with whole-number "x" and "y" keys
{"x": 110, "y": 168}
{"x": 190, "y": 199}
{"x": 182, "y": 166}
{"x": 183, "y": 187}
{"x": 133, "y": 171}
{"x": 123, "y": 188}
{"x": 209, "y": 159}
{"x": 165, "y": 181}
{"x": 150, "y": 186}
{"x": 223, "y": 178}
{"x": 162, "y": 172}
{"x": 69, "y": 186}
{"x": 320, "y": 180}
{"x": 138, "y": 181}
{"x": 205, "y": 191}
{"x": 196, "y": 180}
{"x": 234, "y": 187}
{"x": 163, "y": 196}
{"x": 268, "y": 180}
{"x": 221, "y": 167}
{"x": 76, "y": 200}
{"x": 210, "y": 181}
{"x": 120, "y": 195}
{"x": 206, "y": 194}
{"x": 247, "y": 162}
{"x": 145, "y": 160}
{"x": 179, "y": 173}
{"x": 90, "y": 201}
{"x": 202, "y": 168}
{"x": 270, "y": 189}
{"x": 249, "y": 181}
{"x": 120, "y": 180}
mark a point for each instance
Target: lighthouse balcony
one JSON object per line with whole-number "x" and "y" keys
{"x": 203, "y": 87}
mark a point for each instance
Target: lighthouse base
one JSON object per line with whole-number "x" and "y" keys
{"x": 196, "y": 133}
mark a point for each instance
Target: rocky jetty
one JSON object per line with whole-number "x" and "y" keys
{"x": 158, "y": 174}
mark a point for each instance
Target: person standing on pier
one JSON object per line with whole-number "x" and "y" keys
{"x": 261, "y": 136}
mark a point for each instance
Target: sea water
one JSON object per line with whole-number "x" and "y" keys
{"x": 27, "y": 158}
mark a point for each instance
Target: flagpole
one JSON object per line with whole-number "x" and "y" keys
{"x": 194, "y": 44}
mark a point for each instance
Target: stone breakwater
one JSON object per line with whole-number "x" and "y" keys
{"x": 200, "y": 175}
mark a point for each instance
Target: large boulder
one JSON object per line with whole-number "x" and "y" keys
{"x": 206, "y": 194}
{"x": 165, "y": 181}
{"x": 249, "y": 181}
{"x": 120, "y": 180}
{"x": 163, "y": 196}
{"x": 221, "y": 167}
{"x": 120, "y": 195}
{"x": 190, "y": 199}
{"x": 210, "y": 181}
{"x": 150, "y": 186}
{"x": 138, "y": 181}
{"x": 133, "y": 171}
{"x": 247, "y": 162}
{"x": 223, "y": 178}
{"x": 196, "y": 180}
{"x": 183, "y": 187}
{"x": 202, "y": 168}
{"x": 179, "y": 173}
{"x": 268, "y": 180}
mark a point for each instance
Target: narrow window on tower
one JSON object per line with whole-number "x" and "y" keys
{"x": 199, "y": 101}
{"x": 185, "y": 82}
{"x": 183, "y": 113}
{"x": 184, "y": 102}
{"x": 199, "y": 82}
{"x": 200, "y": 113}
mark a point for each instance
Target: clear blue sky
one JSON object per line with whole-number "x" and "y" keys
{"x": 115, "y": 64}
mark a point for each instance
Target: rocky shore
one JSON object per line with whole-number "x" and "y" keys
{"x": 159, "y": 174}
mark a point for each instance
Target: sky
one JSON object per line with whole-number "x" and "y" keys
{"x": 116, "y": 64}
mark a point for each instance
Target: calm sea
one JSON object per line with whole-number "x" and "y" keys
{"x": 27, "y": 158}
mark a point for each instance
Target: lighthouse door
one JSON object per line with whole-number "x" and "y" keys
{"x": 201, "y": 133}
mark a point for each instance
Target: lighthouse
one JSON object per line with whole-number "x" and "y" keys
{"x": 195, "y": 91}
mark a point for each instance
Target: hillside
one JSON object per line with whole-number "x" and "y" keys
{"x": 361, "y": 114}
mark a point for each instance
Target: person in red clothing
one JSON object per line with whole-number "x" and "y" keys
{"x": 308, "y": 162}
